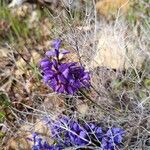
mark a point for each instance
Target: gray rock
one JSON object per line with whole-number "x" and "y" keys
{"x": 16, "y": 3}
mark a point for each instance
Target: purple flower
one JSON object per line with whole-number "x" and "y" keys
{"x": 63, "y": 77}
{"x": 93, "y": 128}
{"x": 39, "y": 144}
{"x": 71, "y": 132}
{"x": 57, "y": 44}
{"x": 68, "y": 132}
{"x": 112, "y": 138}
{"x": 56, "y": 52}
{"x": 79, "y": 136}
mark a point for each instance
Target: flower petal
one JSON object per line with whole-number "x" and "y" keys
{"x": 70, "y": 90}
{"x": 45, "y": 63}
{"x": 56, "y": 44}
{"x": 66, "y": 73}
{"x": 50, "y": 53}
{"x": 64, "y": 52}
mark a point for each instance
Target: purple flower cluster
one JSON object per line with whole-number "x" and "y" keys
{"x": 68, "y": 132}
{"x": 72, "y": 132}
{"x": 66, "y": 77}
{"x": 40, "y": 144}
{"x": 112, "y": 138}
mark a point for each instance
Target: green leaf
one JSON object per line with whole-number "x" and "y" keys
{"x": 2, "y": 116}
{"x": 147, "y": 83}
{"x": 2, "y": 134}
{"x": 4, "y": 100}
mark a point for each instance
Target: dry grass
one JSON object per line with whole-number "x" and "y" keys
{"x": 120, "y": 88}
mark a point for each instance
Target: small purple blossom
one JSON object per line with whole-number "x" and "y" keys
{"x": 63, "y": 77}
{"x": 40, "y": 144}
{"x": 112, "y": 138}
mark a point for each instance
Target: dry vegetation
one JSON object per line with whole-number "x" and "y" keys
{"x": 113, "y": 44}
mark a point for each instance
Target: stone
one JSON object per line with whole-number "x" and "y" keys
{"x": 109, "y": 8}
{"x": 16, "y": 3}
{"x": 116, "y": 51}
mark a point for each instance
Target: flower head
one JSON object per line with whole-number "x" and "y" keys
{"x": 66, "y": 77}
